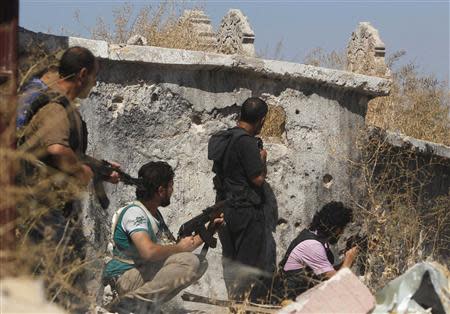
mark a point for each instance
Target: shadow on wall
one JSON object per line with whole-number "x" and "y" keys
{"x": 271, "y": 218}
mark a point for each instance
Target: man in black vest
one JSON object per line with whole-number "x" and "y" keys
{"x": 308, "y": 259}
{"x": 240, "y": 167}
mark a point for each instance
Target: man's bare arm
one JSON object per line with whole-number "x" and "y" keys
{"x": 349, "y": 258}
{"x": 151, "y": 251}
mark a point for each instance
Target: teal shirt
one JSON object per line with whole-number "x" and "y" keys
{"x": 124, "y": 246}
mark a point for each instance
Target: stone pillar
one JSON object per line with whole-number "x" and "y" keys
{"x": 235, "y": 36}
{"x": 201, "y": 24}
{"x": 137, "y": 40}
{"x": 366, "y": 51}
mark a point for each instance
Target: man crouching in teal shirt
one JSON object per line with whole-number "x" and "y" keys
{"x": 148, "y": 267}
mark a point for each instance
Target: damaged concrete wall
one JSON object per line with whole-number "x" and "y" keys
{"x": 421, "y": 168}
{"x": 163, "y": 104}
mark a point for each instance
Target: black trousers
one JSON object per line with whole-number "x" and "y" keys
{"x": 61, "y": 229}
{"x": 243, "y": 252}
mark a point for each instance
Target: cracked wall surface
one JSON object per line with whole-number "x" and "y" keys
{"x": 138, "y": 113}
{"x": 144, "y": 108}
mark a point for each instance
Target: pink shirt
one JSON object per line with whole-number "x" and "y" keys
{"x": 311, "y": 253}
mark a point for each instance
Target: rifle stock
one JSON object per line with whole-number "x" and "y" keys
{"x": 102, "y": 171}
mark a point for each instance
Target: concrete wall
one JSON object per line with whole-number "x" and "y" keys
{"x": 422, "y": 167}
{"x": 163, "y": 104}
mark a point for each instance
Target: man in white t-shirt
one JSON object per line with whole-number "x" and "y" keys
{"x": 148, "y": 266}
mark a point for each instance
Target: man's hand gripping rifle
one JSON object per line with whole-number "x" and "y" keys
{"x": 102, "y": 171}
{"x": 197, "y": 225}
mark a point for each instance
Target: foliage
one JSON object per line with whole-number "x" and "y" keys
{"x": 418, "y": 104}
{"x": 161, "y": 25}
{"x": 403, "y": 213}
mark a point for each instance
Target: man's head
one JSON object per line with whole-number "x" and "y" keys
{"x": 158, "y": 182}
{"x": 331, "y": 220}
{"x": 79, "y": 66}
{"x": 254, "y": 112}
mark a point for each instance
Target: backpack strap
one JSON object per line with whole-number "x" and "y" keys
{"x": 115, "y": 220}
{"x": 112, "y": 244}
{"x": 220, "y": 166}
{"x": 236, "y": 135}
{"x": 43, "y": 99}
{"x": 164, "y": 228}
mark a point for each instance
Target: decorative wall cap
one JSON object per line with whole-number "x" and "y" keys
{"x": 195, "y": 60}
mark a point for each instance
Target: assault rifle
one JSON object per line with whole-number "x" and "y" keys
{"x": 197, "y": 226}
{"x": 359, "y": 240}
{"x": 260, "y": 143}
{"x": 102, "y": 171}
{"x": 356, "y": 240}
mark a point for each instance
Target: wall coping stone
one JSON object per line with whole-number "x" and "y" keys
{"x": 399, "y": 140}
{"x": 370, "y": 85}
{"x": 198, "y": 60}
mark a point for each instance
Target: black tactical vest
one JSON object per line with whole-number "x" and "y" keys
{"x": 289, "y": 284}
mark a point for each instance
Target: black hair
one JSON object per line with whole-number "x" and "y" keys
{"x": 253, "y": 110}
{"x": 73, "y": 60}
{"x": 332, "y": 216}
{"x": 154, "y": 174}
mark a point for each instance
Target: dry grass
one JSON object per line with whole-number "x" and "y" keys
{"x": 333, "y": 60}
{"x": 57, "y": 262}
{"x": 160, "y": 25}
{"x": 418, "y": 105}
{"x": 275, "y": 123}
{"x": 405, "y": 223}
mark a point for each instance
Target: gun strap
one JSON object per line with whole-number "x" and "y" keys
{"x": 100, "y": 193}
{"x": 123, "y": 260}
{"x": 207, "y": 237}
{"x": 115, "y": 221}
{"x": 204, "y": 250}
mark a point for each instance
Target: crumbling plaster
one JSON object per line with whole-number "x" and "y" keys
{"x": 155, "y": 103}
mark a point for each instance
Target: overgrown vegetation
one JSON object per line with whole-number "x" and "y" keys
{"x": 39, "y": 251}
{"x": 418, "y": 104}
{"x": 39, "y": 198}
{"x": 404, "y": 211}
{"x": 333, "y": 60}
{"x": 403, "y": 223}
{"x": 161, "y": 25}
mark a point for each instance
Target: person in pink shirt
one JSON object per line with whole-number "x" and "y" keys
{"x": 309, "y": 259}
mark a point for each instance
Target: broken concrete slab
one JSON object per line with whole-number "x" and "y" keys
{"x": 137, "y": 40}
{"x": 98, "y": 47}
{"x": 342, "y": 293}
{"x": 401, "y": 140}
{"x": 423, "y": 287}
{"x": 373, "y": 86}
